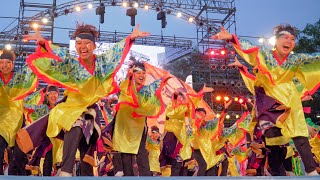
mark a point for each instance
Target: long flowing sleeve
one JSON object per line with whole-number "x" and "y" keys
{"x": 23, "y": 83}
{"x": 308, "y": 71}
{"x": 34, "y": 107}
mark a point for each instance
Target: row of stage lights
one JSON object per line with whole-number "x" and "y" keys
{"x": 240, "y": 100}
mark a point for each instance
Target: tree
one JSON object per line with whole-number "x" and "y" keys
{"x": 309, "y": 42}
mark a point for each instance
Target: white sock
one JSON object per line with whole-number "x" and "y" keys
{"x": 119, "y": 174}
{"x": 290, "y": 173}
{"x": 313, "y": 173}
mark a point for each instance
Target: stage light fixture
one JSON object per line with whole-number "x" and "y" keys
{"x": 44, "y": 20}
{"x": 241, "y": 100}
{"x": 90, "y": 6}
{"x": 8, "y": 47}
{"x": 101, "y": 11}
{"x": 162, "y": 16}
{"x": 224, "y": 67}
{"x": 272, "y": 41}
{"x": 237, "y": 116}
{"x": 227, "y": 116}
{"x": 125, "y": 4}
{"x": 261, "y": 40}
{"x": 132, "y": 12}
{"x": 218, "y": 98}
{"x": 135, "y": 5}
{"x": 226, "y": 98}
{"x": 179, "y": 14}
{"x": 217, "y": 115}
{"x": 146, "y": 7}
{"x": 190, "y": 19}
{"x": 222, "y": 52}
{"x": 35, "y": 25}
{"x": 78, "y": 8}
{"x": 236, "y": 99}
{"x": 213, "y": 67}
{"x": 66, "y": 11}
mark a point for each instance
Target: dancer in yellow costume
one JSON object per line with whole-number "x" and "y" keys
{"x": 139, "y": 98}
{"x": 87, "y": 79}
{"x": 153, "y": 147}
{"x": 14, "y": 86}
{"x": 279, "y": 108}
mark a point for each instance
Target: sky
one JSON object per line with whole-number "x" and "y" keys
{"x": 253, "y": 18}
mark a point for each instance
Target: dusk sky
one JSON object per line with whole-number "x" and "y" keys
{"x": 253, "y": 18}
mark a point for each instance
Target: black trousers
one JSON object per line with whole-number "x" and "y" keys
{"x": 278, "y": 163}
{"x": 74, "y": 139}
{"x": 201, "y": 162}
{"x": 47, "y": 164}
{"x": 3, "y": 146}
{"x": 141, "y": 160}
{"x": 17, "y": 162}
{"x": 302, "y": 145}
{"x": 214, "y": 171}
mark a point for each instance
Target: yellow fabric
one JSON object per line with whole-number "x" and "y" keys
{"x": 57, "y": 150}
{"x": 177, "y": 125}
{"x": 232, "y": 166}
{"x": 153, "y": 156}
{"x": 315, "y": 146}
{"x": 277, "y": 83}
{"x": 290, "y": 152}
{"x": 166, "y": 172}
{"x": 128, "y": 128}
{"x": 11, "y": 117}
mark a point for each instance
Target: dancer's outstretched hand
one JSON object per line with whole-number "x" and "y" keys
{"x": 36, "y": 37}
{"x": 207, "y": 89}
{"x": 136, "y": 33}
{"x": 227, "y": 104}
{"x": 222, "y": 35}
{"x": 236, "y": 63}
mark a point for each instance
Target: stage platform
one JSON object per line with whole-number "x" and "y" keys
{"x": 173, "y": 178}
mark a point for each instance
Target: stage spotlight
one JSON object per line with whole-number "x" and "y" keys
{"x": 66, "y": 11}
{"x": 78, "y": 8}
{"x": 239, "y": 84}
{"x": 217, "y": 115}
{"x": 223, "y": 52}
{"x": 237, "y": 116}
{"x": 44, "y": 20}
{"x": 241, "y": 100}
{"x": 179, "y": 14}
{"x": 261, "y": 40}
{"x": 226, "y": 98}
{"x": 101, "y": 11}
{"x": 213, "y": 67}
{"x": 113, "y": 3}
{"x": 218, "y": 98}
{"x": 8, "y": 47}
{"x": 146, "y": 7}
{"x": 24, "y": 54}
{"x": 190, "y": 19}
{"x": 25, "y": 32}
{"x": 232, "y": 83}
{"x": 162, "y": 16}
{"x": 15, "y": 38}
{"x": 35, "y": 25}
{"x": 125, "y": 4}
{"x": 272, "y": 41}
{"x": 135, "y": 5}
{"x": 25, "y": 40}
{"x": 211, "y": 52}
{"x": 236, "y": 99}
{"x": 224, "y": 83}
{"x": 90, "y": 6}
{"x": 132, "y": 12}
{"x": 227, "y": 116}
{"x": 214, "y": 82}
{"x": 224, "y": 67}
{"x": 249, "y": 100}
{"x": 292, "y": 52}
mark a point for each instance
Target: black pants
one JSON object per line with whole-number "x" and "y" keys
{"x": 141, "y": 159}
{"x": 302, "y": 145}
{"x": 47, "y": 164}
{"x": 74, "y": 139}
{"x": 277, "y": 161}
{"x": 201, "y": 162}
{"x": 3, "y": 145}
{"x": 17, "y": 162}
{"x": 214, "y": 171}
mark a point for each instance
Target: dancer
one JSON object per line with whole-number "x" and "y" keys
{"x": 137, "y": 101}
{"x": 86, "y": 80}
{"x": 14, "y": 86}
{"x": 279, "y": 109}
